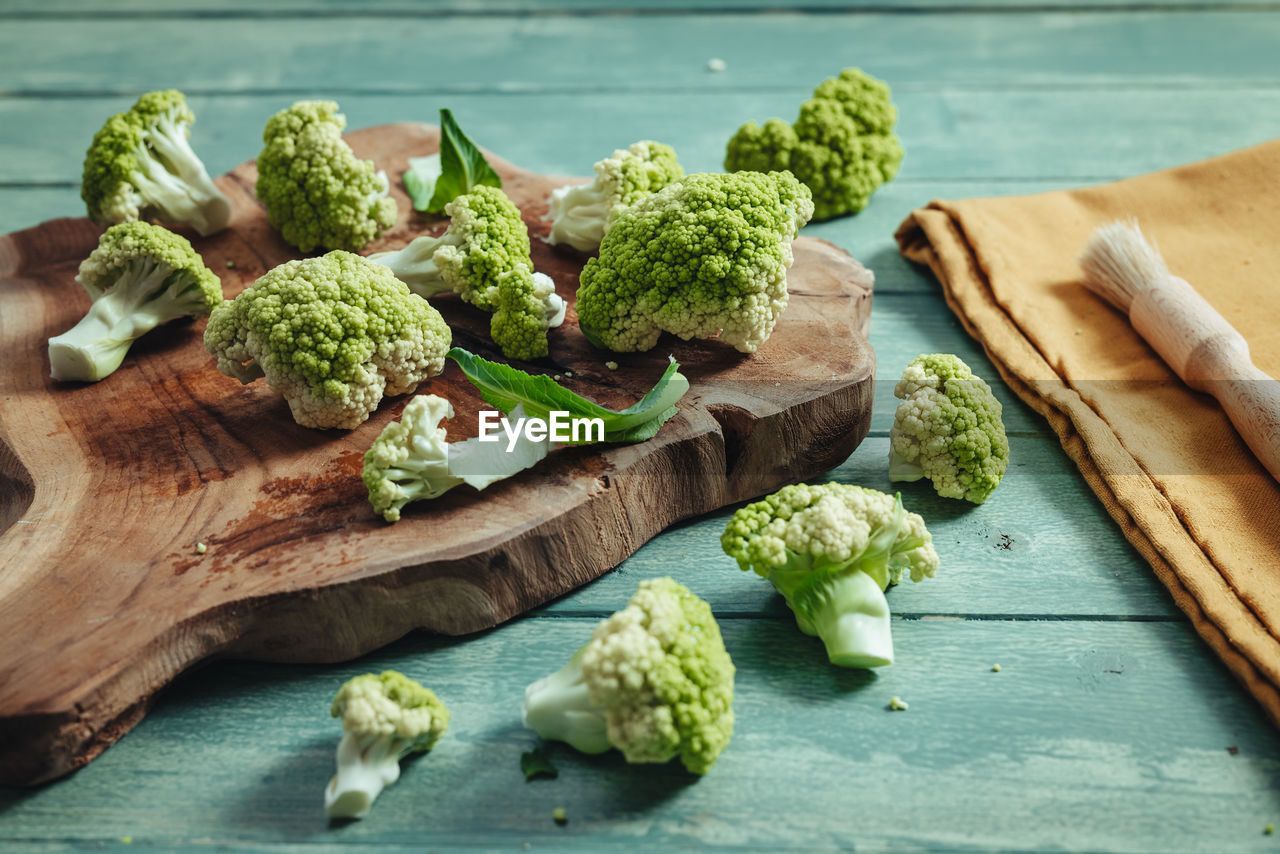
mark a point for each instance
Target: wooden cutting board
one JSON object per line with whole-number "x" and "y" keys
{"x": 105, "y": 489}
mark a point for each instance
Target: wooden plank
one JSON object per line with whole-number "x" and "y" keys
{"x": 972, "y": 135}
{"x": 1098, "y": 736}
{"x": 616, "y": 53}
{"x": 998, "y": 559}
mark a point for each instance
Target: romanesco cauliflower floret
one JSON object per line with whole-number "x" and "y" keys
{"x": 842, "y": 146}
{"x": 654, "y": 681}
{"x": 832, "y": 551}
{"x": 486, "y": 238}
{"x": 333, "y": 334}
{"x": 947, "y": 428}
{"x": 581, "y": 214}
{"x": 317, "y": 193}
{"x": 140, "y": 163}
{"x": 527, "y": 306}
{"x": 706, "y": 256}
{"x": 140, "y": 276}
{"x": 412, "y": 460}
{"x": 384, "y": 719}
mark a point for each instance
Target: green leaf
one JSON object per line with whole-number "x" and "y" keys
{"x": 463, "y": 167}
{"x": 504, "y": 387}
{"x": 420, "y": 180}
{"x": 536, "y": 764}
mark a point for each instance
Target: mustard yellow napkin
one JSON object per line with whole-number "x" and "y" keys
{"x": 1164, "y": 459}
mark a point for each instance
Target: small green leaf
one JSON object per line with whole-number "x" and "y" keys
{"x": 536, "y": 764}
{"x": 504, "y": 387}
{"x": 463, "y": 167}
{"x": 420, "y": 180}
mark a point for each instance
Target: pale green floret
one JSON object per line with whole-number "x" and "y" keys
{"x": 317, "y": 193}
{"x": 707, "y": 256}
{"x": 832, "y": 551}
{"x": 581, "y": 214}
{"x": 412, "y": 460}
{"x": 384, "y": 719}
{"x": 842, "y": 146}
{"x": 486, "y": 238}
{"x": 654, "y": 681}
{"x": 947, "y": 428}
{"x": 527, "y": 306}
{"x": 333, "y": 334}
{"x": 141, "y": 164}
{"x": 140, "y": 276}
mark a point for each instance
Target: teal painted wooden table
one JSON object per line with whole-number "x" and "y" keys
{"x": 1109, "y": 725}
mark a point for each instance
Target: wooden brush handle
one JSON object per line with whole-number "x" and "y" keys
{"x": 1211, "y": 356}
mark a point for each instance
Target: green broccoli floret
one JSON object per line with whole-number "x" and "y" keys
{"x": 706, "y": 256}
{"x": 832, "y": 551}
{"x": 333, "y": 334}
{"x": 140, "y": 276}
{"x": 527, "y": 306}
{"x": 654, "y": 681}
{"x": 947, "y": 428}
{"x": 316, "y": 191}
{"x": 384, "y": 719}
{"x": 486, "y": 238}
{"x": 141, "y": 164}
{"x": 582, "y": 213}
{"x": 411, "y": 460}
{"x": 842, "y": 146}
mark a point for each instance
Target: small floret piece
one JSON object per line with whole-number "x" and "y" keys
{"x": 141, "y": 164}
{"x": 947, "y": 428}
{"x": 333, "y": 334}
{"x": 317, "y": 193}
{"x": 486, "y": 238}
{"x": 527, "y": 306}
{"x": 384, "y": 719}
{"x": 654, "y": 681}
{"x": 842, "y": 146}
{"x": 582, "y": 213}
{"x": 412, "y": 460}
{"x": 140, "y": 276}
{"x": 832, "y": 551}
{"x": 707, "y": 256}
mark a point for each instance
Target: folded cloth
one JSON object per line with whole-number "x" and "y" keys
{"x": 1164, "y": 459}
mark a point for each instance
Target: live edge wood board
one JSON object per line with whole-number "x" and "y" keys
{"x": 106, "y": 488}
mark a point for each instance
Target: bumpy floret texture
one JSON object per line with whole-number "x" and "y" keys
{"x": 139, "y": 276}
{"x": 948, "y": 428}
{"x": 491, "y": 239}
{"x": 582, "y": 214}
{"x": 317, "y": 193}
{"x": 391, "y": 705}
{"x": 659, "y": 670}
{"x": 141, "y": 163}
{"x": 526, "y": 307}
{"x": 842, "y": 145}
{"x": 707, "y": 256}
{"x": 333, "y": 334}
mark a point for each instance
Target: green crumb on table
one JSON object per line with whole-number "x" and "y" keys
{"x": 556, "y": 378}
{"x": 560, "y": 816}
{"x": 716, "y": 65}
{"x": 1269, "y": 830}
{"x": 611, "y": 365}
{"x": 231, "y": 265}
{"x": 897, "y": 704}
{"x": 535, "y": 763}
{"x": 201, "y": 548}
{"x": 995, "y": 668}
{"x": 568, "y": 373}
{"x": 126, "y": 840}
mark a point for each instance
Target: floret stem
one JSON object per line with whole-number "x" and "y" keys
{"x": 579, "y": 213}
{"x": 853, "y": 621}
{"x": 558, "y": 707}
{"x": 902, "y": 469}
{"x": 366, "y": 766}
{"x": 143, "y": 297}
{"x": 414, "y": 264}
{"x": 175, "y": 180}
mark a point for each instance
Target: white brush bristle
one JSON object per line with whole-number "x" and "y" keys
{"x": 1118, "y": 262}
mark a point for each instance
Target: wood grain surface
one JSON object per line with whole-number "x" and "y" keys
{"x": 106, "y": 488}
